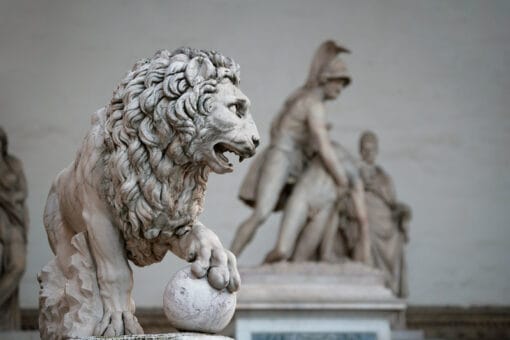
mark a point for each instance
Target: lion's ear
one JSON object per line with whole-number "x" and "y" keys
{"x": 198, "y": 70}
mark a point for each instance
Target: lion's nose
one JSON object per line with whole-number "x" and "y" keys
{"x": 255, "y": 140}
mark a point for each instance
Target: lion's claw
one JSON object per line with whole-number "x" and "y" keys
{"x": 235, "y": 279}
{"x": 118, "y": 323}
{"x": 131, "y": 325}
{"x": 218, "y": 277}
{"x": 211, "y": 258}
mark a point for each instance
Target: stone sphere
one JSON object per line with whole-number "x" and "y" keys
{"x": 191, "y": 304}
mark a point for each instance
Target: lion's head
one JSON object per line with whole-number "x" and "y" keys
{"x": 170, "y": 121}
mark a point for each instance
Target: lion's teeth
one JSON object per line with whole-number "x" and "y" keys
{"x": 222, "y": 157}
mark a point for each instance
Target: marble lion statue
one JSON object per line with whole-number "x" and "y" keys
{"x": 136, "y": 188}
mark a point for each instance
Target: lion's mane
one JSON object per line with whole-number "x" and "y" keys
{"x": 155, "y": 178}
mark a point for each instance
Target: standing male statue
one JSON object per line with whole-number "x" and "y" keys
{"x": 299, "y": 132}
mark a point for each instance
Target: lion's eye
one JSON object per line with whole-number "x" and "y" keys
{"x": 236, "y": 109}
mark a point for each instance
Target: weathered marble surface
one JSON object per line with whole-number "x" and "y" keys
{"x": 13, "y": 234}
{"x": 136, "y": 189}
{"x": 191, "y": 304}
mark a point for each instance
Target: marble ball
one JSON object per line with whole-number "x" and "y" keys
{"x": 191, "y": 304}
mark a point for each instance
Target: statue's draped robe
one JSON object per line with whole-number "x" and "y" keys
{"x": 387, "y": 232}
{"x": 13, "y": 219}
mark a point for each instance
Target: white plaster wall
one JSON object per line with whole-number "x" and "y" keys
{"x": 431, "y": 77}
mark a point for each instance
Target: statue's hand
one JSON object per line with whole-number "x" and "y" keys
{"x": 203, "y": 248}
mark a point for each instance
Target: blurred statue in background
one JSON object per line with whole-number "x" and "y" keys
{"x": 322, "y": 224}
{"x": 13, "y": 234}
{"x": 298, "y": 134}
{"x": 312, "y": 215}
{"x": 388, "y": 218}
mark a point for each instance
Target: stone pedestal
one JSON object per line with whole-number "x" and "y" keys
{"x": 167, "y": 336}
{"x": 337, "y": 301}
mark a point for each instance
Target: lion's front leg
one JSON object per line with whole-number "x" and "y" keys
{"x": 114, "y": 276}
{"x": 203, "y": 248}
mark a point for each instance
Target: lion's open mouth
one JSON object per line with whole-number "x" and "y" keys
{"x": 221, "y": 150}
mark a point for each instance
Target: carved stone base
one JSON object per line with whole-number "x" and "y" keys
{"x": 308, "y": 285}
{"x": 344, "y": 299}
{"x": 167, "y": 336}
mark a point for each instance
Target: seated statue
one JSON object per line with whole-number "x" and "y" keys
{"x": 13, "y": 234}
{"x": 299, "y": 133}
{"x": 136, "y": 188}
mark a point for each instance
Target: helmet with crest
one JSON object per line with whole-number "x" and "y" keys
{"x": 326, "y": 65}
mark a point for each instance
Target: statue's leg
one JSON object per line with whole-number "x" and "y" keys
{"x": 273, "y": 176}
{"x": 362, "y": 252}
{"x": 312, "y": 235}
{"x": 330, "y": 238}
{"x": 114, "y": 276}
{"x": 295, "y": 214}
{"x": 59, "y": 233}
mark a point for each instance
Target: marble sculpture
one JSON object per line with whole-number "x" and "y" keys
{"x": 136, "y": 189}
{"x": 299, "y": 137}
{"x": 388, "y": 218}
{"x": 328, "y": 229}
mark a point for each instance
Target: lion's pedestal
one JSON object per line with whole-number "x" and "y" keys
{"x": 167, "y": 336}
{"x": 315, "y": 298}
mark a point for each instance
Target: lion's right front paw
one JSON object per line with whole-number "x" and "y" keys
{"x": 202, "y": 247}
{"x": 118, "y": 323}
{"x": 220, "y": 266}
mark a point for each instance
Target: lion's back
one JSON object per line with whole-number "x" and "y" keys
{"x": 82, "y": 177}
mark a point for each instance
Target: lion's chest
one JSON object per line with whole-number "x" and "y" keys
{"x": 157, "y": 207}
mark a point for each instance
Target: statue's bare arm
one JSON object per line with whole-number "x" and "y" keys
{"x": 319, "y": 131}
